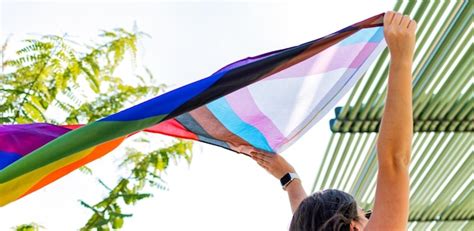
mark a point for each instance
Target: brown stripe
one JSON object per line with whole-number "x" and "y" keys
{"x": 261, "y": 69}
{"x": 376, "y": 20}
{"x": 229, "y": 82}
{"x": 216, "y": 129}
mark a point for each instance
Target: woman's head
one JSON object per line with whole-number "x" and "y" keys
{"x": 330, "y": 209}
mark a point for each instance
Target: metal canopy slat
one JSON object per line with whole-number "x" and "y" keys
{"x": 441, "y": 171}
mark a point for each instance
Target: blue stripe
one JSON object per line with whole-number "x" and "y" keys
{"x": 374, "y": 34}
{"x": 224, "y": 113}
{"x": 7, "y": 158}
{"x": 166, "y": 103}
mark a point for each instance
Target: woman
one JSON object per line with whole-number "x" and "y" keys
{"x": 336, "y": 210}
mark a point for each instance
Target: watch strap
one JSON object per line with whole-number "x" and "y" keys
{"x": 288, "y": 178}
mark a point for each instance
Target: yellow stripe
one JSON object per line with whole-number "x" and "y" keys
{"x": 13, "y": 189}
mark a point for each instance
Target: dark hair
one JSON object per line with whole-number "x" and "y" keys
{"x": 326, "y": 210}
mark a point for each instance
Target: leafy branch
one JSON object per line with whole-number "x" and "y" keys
{"x": 54, "y": 74}
{"x": 35, "y": 80}
{"x": 146, "y": 171}
{"x": 28, "y": 227}
{"x": 52, "y": 69}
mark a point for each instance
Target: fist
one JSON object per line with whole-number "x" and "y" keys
{"x": 273, "y": 163}
{"x": 399, "y": 32}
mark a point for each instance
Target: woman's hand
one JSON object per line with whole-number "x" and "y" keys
{"x": 273, "y": 163}
{"x": 278, "y": 167}
{"x": 399, "y": 32}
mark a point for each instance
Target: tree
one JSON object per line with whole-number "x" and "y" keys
{"x": 28, "y": 227}
{"x": 56, "y": 80}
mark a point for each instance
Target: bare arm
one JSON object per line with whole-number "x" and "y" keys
{"x": 396, "y": 130}
{"x": 278, "y": 167}
{"x": 296, "y": 194}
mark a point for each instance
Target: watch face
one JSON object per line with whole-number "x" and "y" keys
{"x": 285, "y": 179}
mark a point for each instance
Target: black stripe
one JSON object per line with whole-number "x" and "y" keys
{"x": 187, "y": 121}
{"x": 245, "y": 75}
{"x": 238, "y": 78}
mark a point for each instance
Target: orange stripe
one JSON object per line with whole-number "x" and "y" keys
{"x": 98, "y": 152}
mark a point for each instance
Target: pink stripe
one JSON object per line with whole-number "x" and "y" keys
{"x": 333, "y": 58}
{"x": 244, "y": 106}
{"x": 362, "y": 56}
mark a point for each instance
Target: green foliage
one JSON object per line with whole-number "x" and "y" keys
{"x": 116, "y": 98}
{"x": 146, "y": 171}
{"x": 78, "y": 79}
{"x": 28, "y": 227}
{"x": 86, "y": 170}
{"x": 54, "y": 74}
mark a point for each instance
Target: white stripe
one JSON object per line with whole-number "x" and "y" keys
{"x": 317, "y": 115}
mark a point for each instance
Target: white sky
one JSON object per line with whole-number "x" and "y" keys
{"x": 190, "y": 40}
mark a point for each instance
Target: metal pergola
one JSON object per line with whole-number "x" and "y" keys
{"x": 441, "y": 170}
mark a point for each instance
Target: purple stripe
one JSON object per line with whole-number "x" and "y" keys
{"x": 331, "y": 59}
{"x": 25, "y": 138}
{"x": 244, "y": 106}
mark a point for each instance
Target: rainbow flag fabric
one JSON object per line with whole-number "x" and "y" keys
{"x": 262, "y": 103}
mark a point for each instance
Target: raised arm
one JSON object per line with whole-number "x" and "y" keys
{"x": 278, "y": 167}
{"x": 395, "y": 136}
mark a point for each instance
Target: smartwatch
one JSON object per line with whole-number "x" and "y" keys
{"x": 288, "y": 178}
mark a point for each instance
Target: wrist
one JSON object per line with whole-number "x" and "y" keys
{"x": 401, "y": 59}
{"x": 281, "y": 174}
{"x": 400, "y": 68}
{"x": 295, "y": 184}
{"x": 288, "y": 178}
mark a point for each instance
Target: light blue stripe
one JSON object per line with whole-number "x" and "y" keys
{"x": 224, "y": 113}
{"x": 374, "y": 34}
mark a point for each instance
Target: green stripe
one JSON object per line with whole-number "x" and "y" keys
{"x": 75, "y": 141}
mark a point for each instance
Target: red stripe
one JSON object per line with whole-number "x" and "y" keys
{"x": 172, "y": 127}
